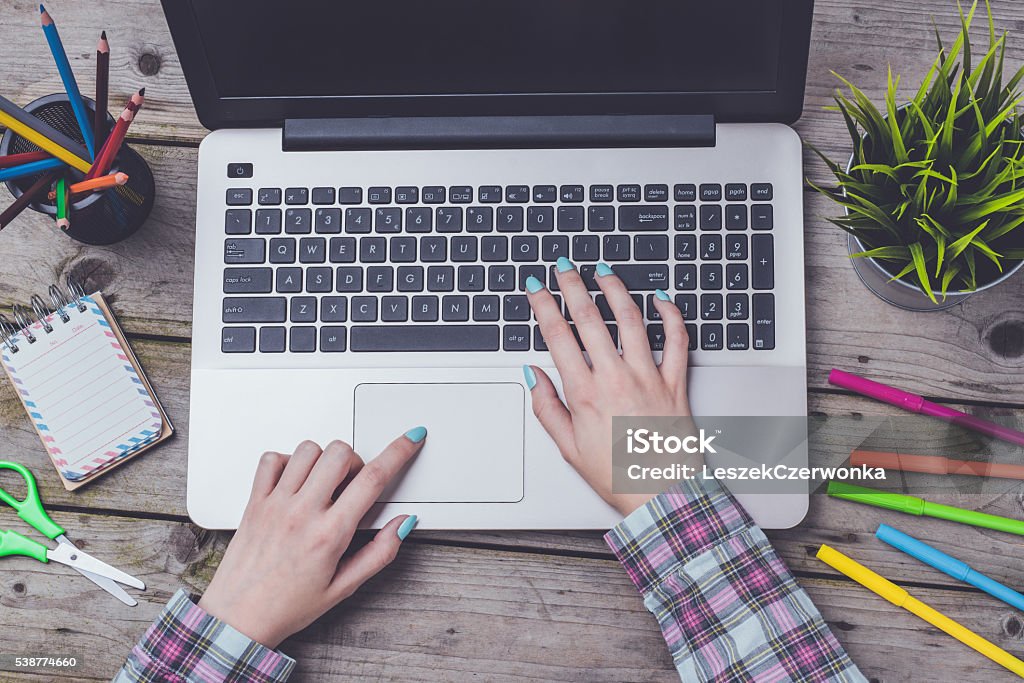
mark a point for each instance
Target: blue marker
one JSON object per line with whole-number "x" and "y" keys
{"x": 948, "y": 565}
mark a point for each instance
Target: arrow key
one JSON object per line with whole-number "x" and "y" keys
{"x": 656, "y": 337}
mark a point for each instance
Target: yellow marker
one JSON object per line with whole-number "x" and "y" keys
{"x": 43, "y": 142}
{"x": 901, "y": 598}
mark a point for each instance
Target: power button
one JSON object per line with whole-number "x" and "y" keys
{"x": 239, "y": 170}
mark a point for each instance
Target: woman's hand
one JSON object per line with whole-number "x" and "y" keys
{"x": 626, "y": 385}
{"x": 284, "y": 567}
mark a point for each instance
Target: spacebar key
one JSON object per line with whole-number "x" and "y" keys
{"x": 411, "y": 338}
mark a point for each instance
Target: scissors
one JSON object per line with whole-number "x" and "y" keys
{"x": 31, "y": 512}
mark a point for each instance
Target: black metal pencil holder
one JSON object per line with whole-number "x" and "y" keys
{"x": 102, "y": 217}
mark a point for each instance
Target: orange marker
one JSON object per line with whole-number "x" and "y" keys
{"x": 935, "y": 464}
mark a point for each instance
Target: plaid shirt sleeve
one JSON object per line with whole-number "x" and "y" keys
{"x": 187, "y": 645}
{"x": 727, "y": 605}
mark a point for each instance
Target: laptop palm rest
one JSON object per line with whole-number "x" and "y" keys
{"x": 474, "y": 447}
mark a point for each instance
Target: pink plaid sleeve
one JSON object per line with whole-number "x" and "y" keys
{"x": 187, "y": 645}
{"x": 729, "y": 608}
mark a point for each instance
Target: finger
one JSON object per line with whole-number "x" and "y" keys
{"x": 558, "y": 336}
{"x": 299, "y": 465}
{"x": 368, "y": 561}
{"x": 268, "y": 473}
{"x": 550, "y": 411}
{"x": 376, "y": 474}
{"x": 636, "y": 350}
{"x": 593, "y": 332}
{"x": 674, "y": 359}
{"x": 330, "y": 471}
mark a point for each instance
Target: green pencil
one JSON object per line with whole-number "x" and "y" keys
{"x": 62, "y": 204}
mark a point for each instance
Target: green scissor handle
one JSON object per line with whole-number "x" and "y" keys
{"x": 13, "y": 543}
{"x": 31, "y": 509}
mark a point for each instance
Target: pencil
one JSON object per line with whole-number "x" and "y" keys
{"x": 101, "y": 183}
{"x": 102, "y": 87}
{"x": 113, "y": 144}
{"x": 62, "y": 204}
{"x": 43, "y": 135}
{"x": 26, "y": 198}
{"x": 23, "y": 158}
{"x": 60, "y": 57}
{"x": 31, "y": 168}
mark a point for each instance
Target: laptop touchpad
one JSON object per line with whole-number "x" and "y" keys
{"x": 474, "y": 447}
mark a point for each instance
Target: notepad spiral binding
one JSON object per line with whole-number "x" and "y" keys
{"x": 37, "y": 311}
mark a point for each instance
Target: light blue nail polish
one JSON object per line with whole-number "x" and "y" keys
{"x": 416, "y": 434}
{"x": 604, "y": 269}
{"x": 563, "y": 264}
{"x": 408, "y": 525}
{"x": 662, "y": 294}
{"x": 533, "y": 285}
{"x": 531, "y": 377}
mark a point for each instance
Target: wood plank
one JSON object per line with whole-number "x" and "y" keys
{"x": 442, "y": 613}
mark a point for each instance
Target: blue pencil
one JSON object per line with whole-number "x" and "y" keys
{"x": 958, "y": 569}
{"x": 30, "y": 168}
{"x": 68, "y": 76}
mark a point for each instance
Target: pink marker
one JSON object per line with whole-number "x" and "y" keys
{"x": 917, "y": 404}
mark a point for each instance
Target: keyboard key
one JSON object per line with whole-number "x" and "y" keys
{"x": 319, "y": 280}
{"x": 350, "y": 195}
{"x": 736, "y": 247}
{"x": 248, "y": 280}
{"x": 601, "y": 218}
{"x": 425, "y": 309}
{"x": 685, "y": 193}
{"x": 387, "y": 220}
{"x": 379, "y": 195}
{"x": 394, "y": 309}
{"x": 342, "y": 249}
{"x": 358, "y": 221}
{"x": 348, "y": 279}
{"x": 434, "y": 249}
{"x": 302, "y": 339}
{"x": 413, "y": 338}
{"x": 762, "y": 266}
{"x": 312, "y": 250}
{"x": 711, "y": 192}
{"x": 588, "y": 273}
{"x": 403, "y": 249}
{"x": 736, "y": 217}
{"x": 516, "y": 338}
{"x": 239, "y": 196}
{"x": 711, "y": 217}
{"x": 711, "y": 247}
{"x": 480, "y": 219}
{"x": 736, "y": 192}
{"x": 485, "y": 308}
{"x": 650, "y": 247}
{"x": 711, "y": 306}
{"x": 379, "y": 279}
{"x": 239, "y": 170}
{"x": 298, "y": 221}
{"x": 434, "y": 194}
{"x": 449, "y": 219}
{"x": 268, "y": 196}
{"x": 525, "y": 272}
{"x": 546, "y": 194}
{"x": 364, "y": 309}
{"x": 711, "y": 337}
{"x": 602, "y": 193}
{"x": 643, "y": 277}
{"x": 540, "y": 218}
{"x": 323, "y": 195}
{"x": 736, "y": 276}
{"x": 244, "y": 250}
{"x": 460, "y": 194}
{"x": 272, "y": 339}
{"x": 238, "y": 340}
{"x": 517, "y": 194}
{"x": 455, "y": 308}
{"x": 652, "y": 309}
{"x": 373, "y": 249}
{"x": 419, "y": 219}
{"x": 685, "y": 217}
{"x": 763, "y": 313}
{"x": 571, "y": 193}
{"x": 516, "y": 307}
{"x": 327, "y": 221}
{"x": 629, "y": 193}
{"x": 333, "y": 309}
{"x": 440, "y": 279}
{"x": 656, "y": 337}
{"x": 501, "y": 278}
{"x": 601, "y": 301}
{"x": 261, "y": 309}
{"x": 737, "y": 337}
{"x": 489, "y": 194}
{"x": 332, "y": 339}
{"x": 644, "y": 217}
{"x": 464, "y": 248}
{"x": 410, "y": 279}
{"x": 237, "y": 221}
{"x": 736, "y": 307}
{"x": 570, "y": 218}
{"x": 296, "y": 195}
{"x": 761, "y": 192}
{"x": 554, "y": 246}
{"x": 303, "y": 309}
{"x": 686, "y": 277}
{"x": 586, "y": 248}
{"x": 691, "y": 333}
{"x": 761, "y": 217}
{"x": 407, "y": 195}
{"x": 687, "y": 305}
{"x": 686, "y": 247}
{"x": 616, "y": 247}
{"x": 510, "y": 219}
{"x": 282, "y": 250}
{"x": 710, "y": 276}
{"x": 471, "y": 278}
{"x": 525, "y": 248}
{"x": 655, "y": 193}
{"x": 494, "y": 248}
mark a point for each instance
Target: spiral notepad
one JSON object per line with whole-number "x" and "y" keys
{"x": 80, "y": 383}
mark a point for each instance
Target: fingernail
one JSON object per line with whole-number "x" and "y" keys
{"x": 604, "y": 269}
{"x": 533, "y": 285}
{"x": 416, "y": 434}
{"x": 531, "y": 377}
{"x": 408, "y": 524}
{"x": 662, "y": 294}
{"x": 563, "y": 264}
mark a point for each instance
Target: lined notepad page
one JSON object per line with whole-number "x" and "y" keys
{"x": 85, "y": 397}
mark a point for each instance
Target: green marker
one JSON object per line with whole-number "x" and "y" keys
{"x": 912, "y": 505}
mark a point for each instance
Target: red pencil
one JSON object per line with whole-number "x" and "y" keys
{"x": 112, "y": 146}
{"x": 23, "y": 158}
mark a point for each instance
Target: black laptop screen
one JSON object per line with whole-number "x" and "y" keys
{"x": 289, "y": 48}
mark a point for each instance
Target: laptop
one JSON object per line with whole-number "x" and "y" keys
{"x": 382, "y": 177}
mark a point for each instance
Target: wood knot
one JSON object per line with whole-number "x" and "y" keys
{"x": 863, "y": 359}
{"x": 19, "y": 588}
{"x": 1013, "y": 626}
{"x": 149, "y": 64}
{"x": 1006, "y": 339}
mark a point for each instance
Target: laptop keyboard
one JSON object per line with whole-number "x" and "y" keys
{"x": 432, "y": 268}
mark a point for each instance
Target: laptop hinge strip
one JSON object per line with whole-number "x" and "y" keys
{"x": 499, "y": 132}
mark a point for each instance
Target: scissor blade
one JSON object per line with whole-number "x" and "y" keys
{"x": 75, "y": 558}
{"x": 110, "y": 586}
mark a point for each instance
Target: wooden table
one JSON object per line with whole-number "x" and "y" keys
{"x": 498, "y": 606}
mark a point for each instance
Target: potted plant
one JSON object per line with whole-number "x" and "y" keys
{"x": 934, "y": 189}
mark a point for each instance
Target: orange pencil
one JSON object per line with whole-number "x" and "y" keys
{"x": 101, "y": 183}
{"x": 112, "y": 146}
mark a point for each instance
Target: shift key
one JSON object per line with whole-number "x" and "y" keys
{"x": 256, "y": 309}
{"x": 635, "y": 218}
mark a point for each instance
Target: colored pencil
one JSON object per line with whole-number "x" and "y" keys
{"x": 135, "y": 103}
{"x": 62, "y": 204}
{"x": 28, "y": 169}
{"x": 43, "y": 135}
{"x": 26, "y": 198}
{"x": 23, "y": 158}
{"x": 114, "y": 141}
{"x": 102, "y": 88}
{"x": 60, "y": 57}
{"x": 101, "y": 183}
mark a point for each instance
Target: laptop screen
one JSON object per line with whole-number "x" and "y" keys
{"x": 256, "y": 49}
